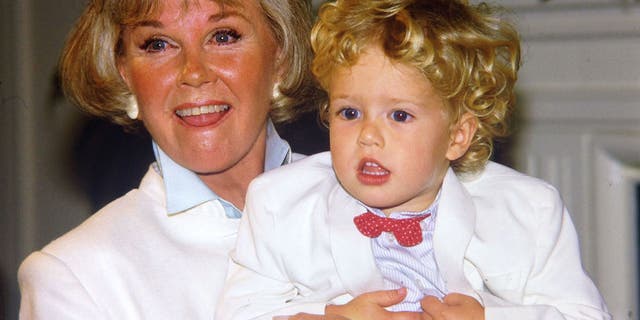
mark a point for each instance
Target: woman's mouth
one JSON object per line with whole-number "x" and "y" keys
{"x": 372, "y": 173}
{"x": 202, "y": 110}
{"x": 203, "y": 116}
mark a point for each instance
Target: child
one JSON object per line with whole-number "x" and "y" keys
{"x": 407, "y": 198}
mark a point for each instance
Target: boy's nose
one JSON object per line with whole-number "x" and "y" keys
{"x": 370, "y": 135}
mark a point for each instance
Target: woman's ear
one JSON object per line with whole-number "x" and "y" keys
{"x": 132, "y": 109}
{"x": 462, "y": 134}
{"x": 280, "y": 71}
{"x": 122, "y": 70}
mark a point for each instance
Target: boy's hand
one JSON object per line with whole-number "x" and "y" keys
{"x": 454, "y": 306}
{"x": 371, "y": 306}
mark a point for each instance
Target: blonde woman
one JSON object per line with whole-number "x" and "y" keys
{"x": 207, "y": 79}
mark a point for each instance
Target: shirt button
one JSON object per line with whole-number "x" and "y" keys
{"x": 391, "y": 238}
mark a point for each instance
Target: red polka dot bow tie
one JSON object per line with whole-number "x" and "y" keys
{"x": 407, "y": 231}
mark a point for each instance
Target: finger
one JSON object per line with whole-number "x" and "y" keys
{"x": 302, "y": 316}
{"x": 329, "y": 317}
{"x": 432, "y": 306}
{"x": 386, "y": 298}
{"x": 294, "y": 317}
{"x": 460, "y": 304}
{"x": 455, "y": 299}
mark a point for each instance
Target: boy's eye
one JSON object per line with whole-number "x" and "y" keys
{"x": 154, "y": 45}
{"x": 227, "y": 36}
{"x": 400, "y": 116}
{"x": 349, "y": 113}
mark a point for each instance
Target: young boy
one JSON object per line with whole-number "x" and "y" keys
{"x": 407, "y": 198}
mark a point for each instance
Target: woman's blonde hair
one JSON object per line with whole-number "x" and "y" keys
{"x": 469, "y": 53}
{"x": 91, "y": 80}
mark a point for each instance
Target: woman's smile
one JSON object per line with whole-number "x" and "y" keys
{"x": 204, "y": 115}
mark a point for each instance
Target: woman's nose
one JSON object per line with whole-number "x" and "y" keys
{"x": 194, "y": 69}
{"x": 370, "y": 135}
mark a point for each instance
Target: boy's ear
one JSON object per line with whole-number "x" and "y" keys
{"x": 462, "y": 134}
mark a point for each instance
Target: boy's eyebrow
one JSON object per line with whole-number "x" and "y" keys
{"x": 340, "y": 96}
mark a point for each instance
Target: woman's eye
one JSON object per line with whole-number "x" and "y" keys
{"x": 349, "y": 113}
{"x": 227, "y": 36}
{"x": 400, "y": 116}
{"x": 154, "y": 45}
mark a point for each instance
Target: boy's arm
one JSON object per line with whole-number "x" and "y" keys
{"x": 558, "y": 278}
{"x": 252, "y": 295}
{"x": 257, "y": 285}
{"x": 557, "y": 286}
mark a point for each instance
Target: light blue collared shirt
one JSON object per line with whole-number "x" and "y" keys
{"x": 185, "y": 190}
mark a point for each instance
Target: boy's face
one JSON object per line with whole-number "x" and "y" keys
{"x": 391, "y": 138}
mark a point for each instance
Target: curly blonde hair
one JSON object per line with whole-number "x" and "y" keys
{"x": 90, "y": 78}
{"x": 469, "y": 53}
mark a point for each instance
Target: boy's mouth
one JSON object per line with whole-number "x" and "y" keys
{"x": 369, "y": 167}
{"x": 370, "y": 172}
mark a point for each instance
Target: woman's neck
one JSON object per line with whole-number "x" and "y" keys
{"x": 232, "y": 184}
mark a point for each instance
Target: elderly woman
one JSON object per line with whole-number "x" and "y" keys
{"x": 206, "y": 79}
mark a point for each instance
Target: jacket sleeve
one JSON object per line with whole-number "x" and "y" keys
{"x": 257, "y": 285}
{"x": 557, "y": 286}
{"x": 50, "y": 290}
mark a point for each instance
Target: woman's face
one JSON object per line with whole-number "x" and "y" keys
{"x": 203, "y": 76}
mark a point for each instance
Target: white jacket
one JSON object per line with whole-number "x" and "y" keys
{"x": 131, "y": 260}
{"x": 503, "y": 238}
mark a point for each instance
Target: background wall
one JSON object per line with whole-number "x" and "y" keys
{"x": 578, "y": 127}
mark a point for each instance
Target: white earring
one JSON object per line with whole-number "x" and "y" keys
{"x": 276, "y": 91}
{"x": 132, "y": 107}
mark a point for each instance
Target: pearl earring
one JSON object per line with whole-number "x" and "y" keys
{"x": 132, "y": 107}
{"x": 276, "y": 91}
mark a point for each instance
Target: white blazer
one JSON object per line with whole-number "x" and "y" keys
{"x": 502, "y": 237}
{"x": 131, "y": 260}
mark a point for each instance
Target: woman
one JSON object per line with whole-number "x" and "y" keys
{"x": 205, "y": 78}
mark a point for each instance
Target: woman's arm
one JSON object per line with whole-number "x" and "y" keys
{"x": 50, "y": 290}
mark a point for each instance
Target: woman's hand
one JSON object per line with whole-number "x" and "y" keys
{"x": 368, "y": 306}
{"x": 454, "y": 306}
{"x": 371, "y": 306}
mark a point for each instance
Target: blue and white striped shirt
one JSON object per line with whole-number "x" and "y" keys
{"x": 414, "y": 268}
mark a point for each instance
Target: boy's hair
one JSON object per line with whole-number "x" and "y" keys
{"x": 468, "y": 52}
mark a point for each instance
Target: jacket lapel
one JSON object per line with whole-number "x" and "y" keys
{"x": 454, "y": 229}
{"x": 351, "y": 250}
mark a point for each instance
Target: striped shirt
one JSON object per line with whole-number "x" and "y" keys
{"x": 414, "y": 268}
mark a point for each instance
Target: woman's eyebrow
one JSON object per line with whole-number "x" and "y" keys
{"x": 226, "y": 14}
{"x": 212, "y": 18}
{"x": 148, "y": 23}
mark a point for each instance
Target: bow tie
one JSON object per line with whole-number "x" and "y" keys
{"x": 407, "y": 231}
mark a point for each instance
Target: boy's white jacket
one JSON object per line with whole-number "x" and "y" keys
{"x": 502, "y": 237}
